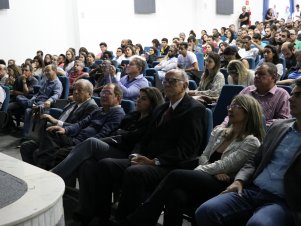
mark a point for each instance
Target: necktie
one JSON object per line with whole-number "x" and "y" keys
{"x": 166, "y": 116}
{"x": 68, "y": 113}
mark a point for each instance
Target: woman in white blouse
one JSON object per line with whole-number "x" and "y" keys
{"x": 227, "y": 151}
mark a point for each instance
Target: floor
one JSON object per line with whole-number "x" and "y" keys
{"x": 9, "y": 144}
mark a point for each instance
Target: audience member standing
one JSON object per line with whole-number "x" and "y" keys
{"x": 244, "y": 17}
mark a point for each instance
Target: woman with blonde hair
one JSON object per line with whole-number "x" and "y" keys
{"x": 239, "y": 75}
{"x": 182, "y": 191}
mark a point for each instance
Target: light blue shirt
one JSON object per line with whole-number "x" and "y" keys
{"x": 271, "y": 178}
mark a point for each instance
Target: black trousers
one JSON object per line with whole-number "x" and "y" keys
{"x": 181, "y": 191}
{"x": 99, "y": 180}
{"x": 43, "y": 153}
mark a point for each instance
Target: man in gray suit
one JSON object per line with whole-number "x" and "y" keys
{"x": 74, "y": 112}
{"x": 82, "y": 106}
{"x": 266, "y": 191}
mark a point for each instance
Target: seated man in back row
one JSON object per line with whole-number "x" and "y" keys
{"x": 273, "y": 99}
{"x": 49, "y": 93}
{"x": 99, "y": 124}
{"x": 132, "y": 82}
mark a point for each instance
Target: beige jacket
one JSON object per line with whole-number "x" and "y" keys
{"x": 232, "y": 159}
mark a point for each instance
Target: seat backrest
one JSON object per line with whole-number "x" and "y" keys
{"x": 225, "y": 98}
{"x": 97, "y": 100}
{"x": 150, "y": 72}
{"x": 156, "y": 63}
{"x": 65, "y": 82}
{"x": 55, "y": 112}
{"x": 192, "y": 85}
{"x": 209, "y": 116}
{"x": 7, "y": 98}
{"x": 151, "y": 81}
{"x": 287, "y": 88}
{"x": 200, "y": 58}
{"x": 98, "y": 62}
{"x": 86, "y": 69}
{"x": 225, "y": 73}
{"x": 124, "y": 62}
{"x": 251, "y": 62}
{"x": 146, "y": 48}
{"x": 127, "y": 105}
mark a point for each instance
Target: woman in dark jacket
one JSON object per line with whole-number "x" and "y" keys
{"x": 120, "y": 144}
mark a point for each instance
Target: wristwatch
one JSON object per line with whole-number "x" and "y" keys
{"x": 157, "y": 162}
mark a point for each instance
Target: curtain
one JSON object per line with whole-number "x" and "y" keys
{"x": 265, "y": 8}
{"x": 292, "y": 6}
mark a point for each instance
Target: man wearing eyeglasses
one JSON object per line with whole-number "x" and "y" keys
{"x": 176, "y": 133}
{"x": 273, "y": 99}
{"x": 99, "y": 124}
{"x": 266, "y": 191}
{"x": 133, "y": 81}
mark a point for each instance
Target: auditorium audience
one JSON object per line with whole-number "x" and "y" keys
{"x": 279, "y": 39}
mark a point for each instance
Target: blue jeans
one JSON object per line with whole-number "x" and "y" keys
{"x": 254, "y": 207}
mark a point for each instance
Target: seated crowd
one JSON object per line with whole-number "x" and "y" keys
{"x": 160, "y": 156}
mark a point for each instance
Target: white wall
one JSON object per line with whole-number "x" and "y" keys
{"x": 55, "y": 25}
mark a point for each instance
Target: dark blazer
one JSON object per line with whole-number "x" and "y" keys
{"x": 80, "y": 113}
{"x": 98, "y": 124}
{"x": 265, "y": 153}
{"x": 181, "y": 138}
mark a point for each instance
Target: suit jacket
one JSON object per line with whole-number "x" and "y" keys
{"x": 80, "y": 113}
{"x": 255, "y": 166}
{"x": 98, "y": 124}
{"x": 181, "y": 138}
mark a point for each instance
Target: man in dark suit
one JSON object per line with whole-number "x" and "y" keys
{"x": 99, "y": 123}
{"x": 176, "y": 133}
{"x": 74, "y": 112}
{"x": 266, "y": 191}
{"x": 80, "y": 108}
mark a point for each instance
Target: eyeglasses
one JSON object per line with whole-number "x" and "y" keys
{"x": 234, "y": 106}
{"x": 106, "y": 93}
{"x": 170, "y": 81}
{"x": 296, "y": 94}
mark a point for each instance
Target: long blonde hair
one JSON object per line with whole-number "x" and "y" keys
{"x": 254, "y": 120}
{"x": 236, "y": 66}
